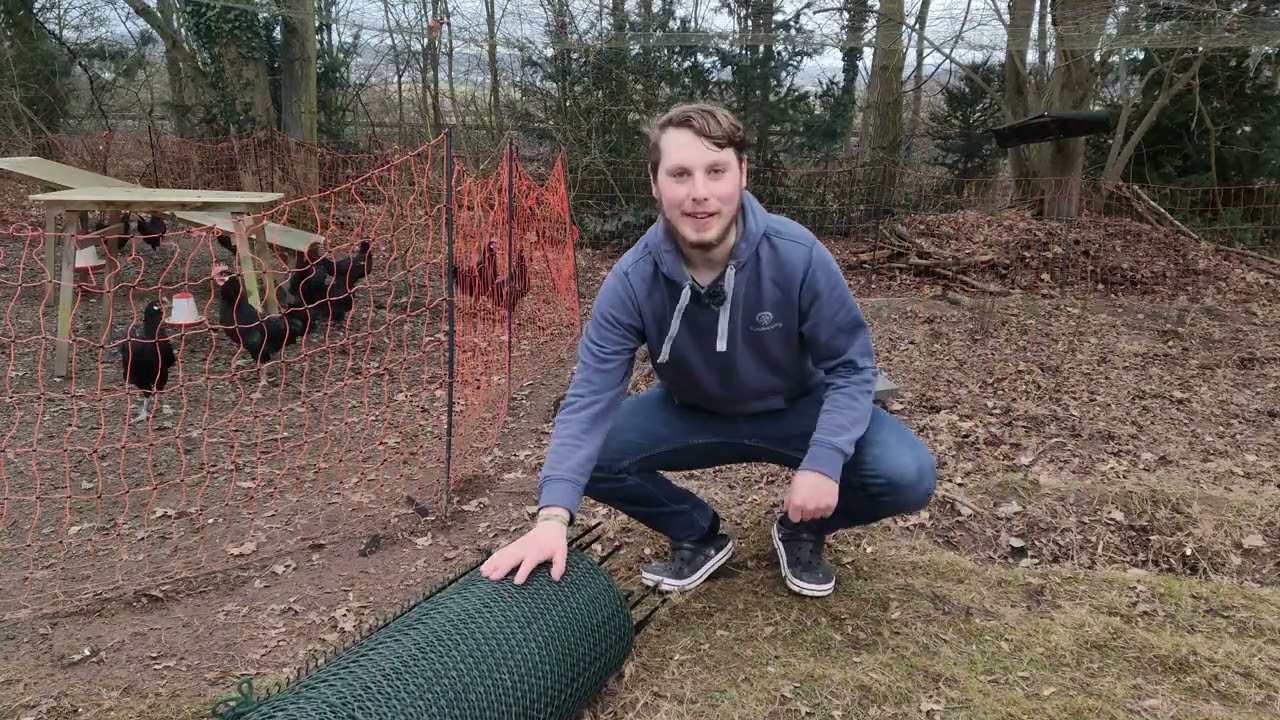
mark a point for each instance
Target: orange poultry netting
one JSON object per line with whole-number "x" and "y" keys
{"x": 101, "y": 494}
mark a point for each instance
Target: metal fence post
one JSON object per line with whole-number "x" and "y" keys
{"x": 450, "y": 321}
{"x": 511, "y": 254}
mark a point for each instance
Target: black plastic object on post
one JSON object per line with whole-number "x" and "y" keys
{"x": 472, "y": 650}
{"x": 1050, "y": 126}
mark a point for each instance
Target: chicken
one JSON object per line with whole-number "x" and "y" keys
{"x": 151, "y": 229}
{"x": 511, "y": 289}
{"x": 227, "y": 244}
{"x": 147, "y": 355}
{"x": 347, "y": 273}
{"x": 309, "y": 283}
{"x": 483, "y": 281}
{"x": 477, "y": 279}
{"x": 261, "y": 335}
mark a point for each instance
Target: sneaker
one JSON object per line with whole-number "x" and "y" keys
{"x": 691, "y": 562}
{"x": 800, "y": 555}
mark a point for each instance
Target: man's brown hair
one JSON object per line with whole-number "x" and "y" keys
{"x": 712, "y": 123}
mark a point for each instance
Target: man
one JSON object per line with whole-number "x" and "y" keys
{"x": 761, "y": 355}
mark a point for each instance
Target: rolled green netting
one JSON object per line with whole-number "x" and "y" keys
{"x": 474, "y": 649}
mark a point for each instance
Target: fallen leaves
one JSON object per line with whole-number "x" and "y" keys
{"x": 1253, "y": 542}
{"x": 245, "y": 548}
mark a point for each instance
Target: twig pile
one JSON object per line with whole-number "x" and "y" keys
{"x": 1012, "y": 251}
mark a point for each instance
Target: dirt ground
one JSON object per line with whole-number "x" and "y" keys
{"x": 1103, "y": 543}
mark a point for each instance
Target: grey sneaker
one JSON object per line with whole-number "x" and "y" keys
{"x": 800, "y": 556}
{"x": 691, "y": 562}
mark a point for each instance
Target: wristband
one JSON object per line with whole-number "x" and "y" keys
{"x": 553, "y": 517}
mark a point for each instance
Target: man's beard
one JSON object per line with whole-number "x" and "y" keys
{"x": 701, "y": 244}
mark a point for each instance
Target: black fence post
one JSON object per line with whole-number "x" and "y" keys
{"x": 450, "y": 322}
{"x": 511, "y": 254}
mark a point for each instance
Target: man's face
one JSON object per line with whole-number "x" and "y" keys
{"x": 698, "y": 188}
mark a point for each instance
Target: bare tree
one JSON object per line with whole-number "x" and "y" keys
{"x": 881, "y": 133}
{"x": 298, "y": 68}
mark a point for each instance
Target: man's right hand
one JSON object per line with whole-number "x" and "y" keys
{"x": 547, "y": 540}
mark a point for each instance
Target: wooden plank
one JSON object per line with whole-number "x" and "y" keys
{"x": 62, "y": 351}
{"x": 259, "y": 248}
{"x": 248, "y": 276}
{"x": 279, "y": 235}
{"x": 140, "y": 199}
{"x": 51, "y": 250}
{"x": 112, "y": 245}
{"x": 48, "y": 172}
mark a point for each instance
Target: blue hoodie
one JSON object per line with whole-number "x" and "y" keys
{"x": 787, "y": 324}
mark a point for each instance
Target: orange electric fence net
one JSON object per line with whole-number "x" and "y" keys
{"x": 99, "y": 499}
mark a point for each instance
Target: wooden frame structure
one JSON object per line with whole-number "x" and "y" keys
{"x": 118, "y": 199}
{"x": 224, "y": 210}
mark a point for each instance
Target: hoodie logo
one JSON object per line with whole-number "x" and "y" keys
{"x": 764, "y": 321}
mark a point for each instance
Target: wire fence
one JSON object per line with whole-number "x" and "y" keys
{"x": 242, "y": 453}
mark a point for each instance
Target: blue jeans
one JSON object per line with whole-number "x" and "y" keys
{"x": 891, "y": 471}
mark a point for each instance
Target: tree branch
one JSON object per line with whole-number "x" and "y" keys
{"x": 1112, "y": 173}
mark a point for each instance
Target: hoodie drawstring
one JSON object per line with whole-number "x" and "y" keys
{"x": 675, "y": 321}
{"x": 722, "y": 329}
{"x": 722, "y": 326}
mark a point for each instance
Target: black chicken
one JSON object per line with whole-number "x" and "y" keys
{"x": 309, "y": 286}
{"x": 226, "y": 242}
{"x": 347, "y": 273}
{"x": 147, "y": 355}
{"x": 261, "y": 335}
{"x": 151, "y": 229}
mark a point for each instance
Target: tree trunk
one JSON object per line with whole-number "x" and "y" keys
{"x": 248, "y": 82}
{"x": 917, "y": 77}
{"x": 882, "y": 112}
{"x": 1078, "y": 26}
{"x": 491, "y": 45}
{"x": 181, "y": 108}
{"x": 763, "y": 62}
{"x": 856, "y": 15}
{"x": 174, "y": 45}
{"x": 298, "y": 70}
{"x": 431, "y": 73}
{"x": 1018, "y": 94}
{"x": 446, "y": 13}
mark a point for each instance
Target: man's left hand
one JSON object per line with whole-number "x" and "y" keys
{"x": 812, "y": 496}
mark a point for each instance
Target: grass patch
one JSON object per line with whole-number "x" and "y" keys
{"x": 1161, "y": 523}
{"x": 915, "y": 631}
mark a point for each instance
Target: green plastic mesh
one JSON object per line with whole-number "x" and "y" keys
{"x": 474, "y": 649}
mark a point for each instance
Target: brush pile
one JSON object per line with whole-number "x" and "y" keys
{"x": 1012, "y": 251}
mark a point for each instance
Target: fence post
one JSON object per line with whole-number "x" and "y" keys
{"x": 511, "y": 254}
{"x": 450, "y": 322}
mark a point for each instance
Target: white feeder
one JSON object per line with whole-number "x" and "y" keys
{"x": 184, "y": 312}
{"x": 88, "y": 263}
{"x": 88, "y": 259}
